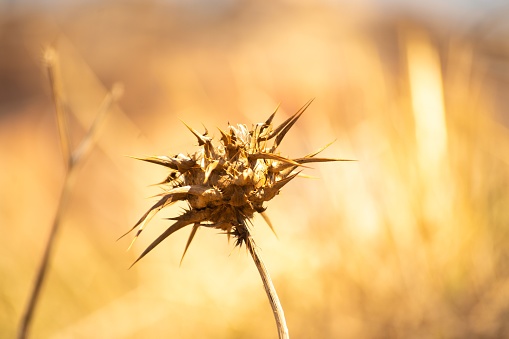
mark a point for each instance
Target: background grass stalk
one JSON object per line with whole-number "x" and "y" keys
{"x": 48, "y": 250}
{"x": 53, "y": 69}
{"x": 277, "y": 309}
{"x": 72, "y": 160}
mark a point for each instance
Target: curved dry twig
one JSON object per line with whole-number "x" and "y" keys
{"x": 275, "y": 304}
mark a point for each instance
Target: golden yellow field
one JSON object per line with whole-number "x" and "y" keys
{"x": 409, "y": 241}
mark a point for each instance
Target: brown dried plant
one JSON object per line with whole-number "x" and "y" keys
{"x": 226, "y": 184}
{"x": 73, "y": 158}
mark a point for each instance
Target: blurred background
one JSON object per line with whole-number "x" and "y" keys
{"x": 410, "y": 241}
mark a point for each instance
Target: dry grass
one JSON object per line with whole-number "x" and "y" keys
{"x": 411, "y": 240}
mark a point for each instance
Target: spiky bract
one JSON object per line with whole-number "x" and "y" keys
{"x": 226, "y": 184}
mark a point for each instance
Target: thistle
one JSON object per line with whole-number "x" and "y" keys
{"x": 226, "y": 184}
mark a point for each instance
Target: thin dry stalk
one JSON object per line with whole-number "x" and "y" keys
{"x": 72, "y": 160}
{"x": 277, "y": 309}
{"x": 45, "y": 259}
{"x": 53, "y": 69}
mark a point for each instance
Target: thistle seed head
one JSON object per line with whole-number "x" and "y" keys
{"x": 226, "y": 183}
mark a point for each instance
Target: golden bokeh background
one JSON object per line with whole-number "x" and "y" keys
{"x": 410, "y": 241}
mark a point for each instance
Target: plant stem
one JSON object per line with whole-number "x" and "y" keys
{"x": 277, "y": 309}
{"x": 72, "y": 160}
{"x": 53, "y": 67}
{"x": 45, "y": 260}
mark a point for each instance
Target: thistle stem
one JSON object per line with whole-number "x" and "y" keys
{"x": 277, "y": 309}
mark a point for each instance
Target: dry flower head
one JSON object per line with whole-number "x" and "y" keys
{"x": 226, "y": 184}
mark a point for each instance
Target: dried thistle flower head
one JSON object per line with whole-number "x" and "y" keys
{"x": 225, "y": 184}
